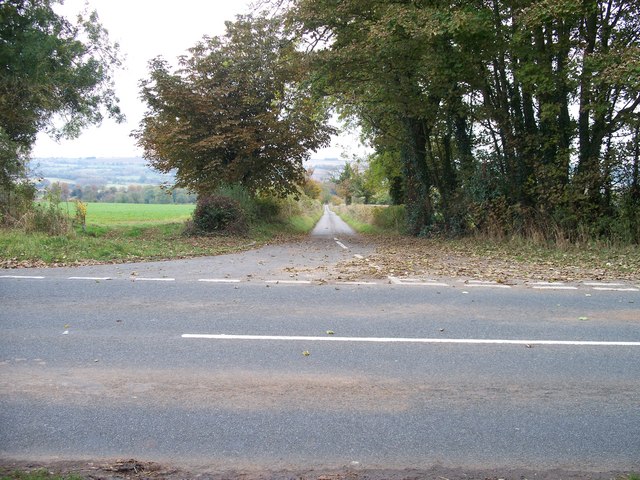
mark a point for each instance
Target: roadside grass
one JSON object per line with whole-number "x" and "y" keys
{"x": 118, "y": 233}
{"x": 483, "y": 257}
{"x": 38, "y": 475}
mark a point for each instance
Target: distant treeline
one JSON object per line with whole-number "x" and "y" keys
{"x": 130, "y": 194}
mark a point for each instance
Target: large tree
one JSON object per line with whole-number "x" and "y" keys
{"x": 55, "y": 76}
{"x": 235, "y": 111}
{"x": 526, "y": 109}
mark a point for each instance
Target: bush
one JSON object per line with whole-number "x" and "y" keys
{"x": 219, "y": 214}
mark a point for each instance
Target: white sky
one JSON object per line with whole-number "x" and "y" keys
{"x": 145, "y": 29}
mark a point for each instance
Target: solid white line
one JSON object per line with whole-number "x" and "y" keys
{"x": 32, "y": 277}
{"x": 466, "y": 341}
{"x": 290, "y": 282}
{"x": 342, "y": 245}
{"x": 219, "y": 280}
{"x": 89, "y": 278}
{"x": 612, "y": 289}
{"x": 146, "y": 279}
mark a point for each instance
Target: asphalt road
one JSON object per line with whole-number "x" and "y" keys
{"x": 95, "y": 368}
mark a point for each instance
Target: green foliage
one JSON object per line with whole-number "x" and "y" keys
{"x": 533, "y": 103}
{"x": 235, "y": 112}
{"x": 52, "y": 70}
{"x": 219, "y": 214}
{"x": 42, "y": 474}
{"x": 48, "y": 216}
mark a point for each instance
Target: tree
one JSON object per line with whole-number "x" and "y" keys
{"x": 56, "y": 76}
{"x": 236, "y": 111}
{"x": 528, "y": 106}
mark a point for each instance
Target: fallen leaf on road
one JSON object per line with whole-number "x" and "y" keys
{"x": 306, "y": 353}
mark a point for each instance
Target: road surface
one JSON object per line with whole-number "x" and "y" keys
{"x": 251, "y": 368}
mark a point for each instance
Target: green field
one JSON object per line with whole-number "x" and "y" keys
{"x": 126, "y": 232}
{"x": 114, "y": 214}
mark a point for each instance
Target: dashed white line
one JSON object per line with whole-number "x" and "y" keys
{"x": 614, "y": 289}
{"x": 289, "y": 282}
{"x": 342, "y": 245}
{"x": 397, "y": 281}
{"x": 147, "y": 279}
{"x": 219, "y": 280}
{"x": 466, "y": 341}
{"x": 358, "y": 256}
{"x": 602, "y": 284}
{"x": 31, "y": 277}
{"x": 357, "y": 283}
{"x": 554, "y": 287}
{"x": 89, "y": 278}
{"x": 488, "y": 285}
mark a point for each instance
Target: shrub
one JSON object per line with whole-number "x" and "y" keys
{"x": 218, "y": 214}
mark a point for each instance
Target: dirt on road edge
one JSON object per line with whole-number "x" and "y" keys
{"x": 140, "y": 470}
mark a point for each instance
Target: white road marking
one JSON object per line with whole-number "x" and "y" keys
{"x": 358, "y": 256}
{"x": 488, "y": 285}
{"x": 147, "y": 279}
{"x": 290, "y": 282}
{"x": 613, "y": 289}
{"x": 397, "y": 281}
{"x": 465, "y": 341}
{"x": 356, "y": 283}
{"x": 219, "y": 280}
{"x": 554, "y": 287}
{"x": 602, "y": 284}
{"x": 342, "y": 245}
{"x": 89, "y": 278}
{"x": 32, "y": 277}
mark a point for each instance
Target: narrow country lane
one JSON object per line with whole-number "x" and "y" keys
{"x": 256, "y": 363}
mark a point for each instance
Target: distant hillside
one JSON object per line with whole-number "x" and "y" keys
{"x": 98, "y": 171}
{"x": 122, "y": 172}
{"x": 323, "y": 168}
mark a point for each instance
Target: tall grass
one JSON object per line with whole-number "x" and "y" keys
{"x": 374, "y": 218}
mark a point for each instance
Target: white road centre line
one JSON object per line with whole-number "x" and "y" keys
{"x": 289, "y": 282}
{"x": 342, "y": 245}
{"x": 219, "y": 280}
{"x": 30, "y": 277}
{"x": 147, "y": 279}
{"x": 89, "y": 278}
{"x": 462, "y": 341}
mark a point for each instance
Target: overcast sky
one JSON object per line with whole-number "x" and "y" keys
{"x": 145, "y": 29}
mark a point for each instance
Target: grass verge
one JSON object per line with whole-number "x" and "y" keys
{"x": 38, "y": 475}
{"x": 118, "y": 233}
{"x": 489, "y": 259}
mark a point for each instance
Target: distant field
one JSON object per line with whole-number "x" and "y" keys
{"x": 107, "y": 214}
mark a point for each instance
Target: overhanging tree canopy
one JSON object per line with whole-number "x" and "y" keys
{"x": 54, "y": 76}
{"x": 236, "y": 111}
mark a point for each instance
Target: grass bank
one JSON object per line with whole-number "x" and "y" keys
{"x": 117, "y": 233}
{"x": 481, "y": 257}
